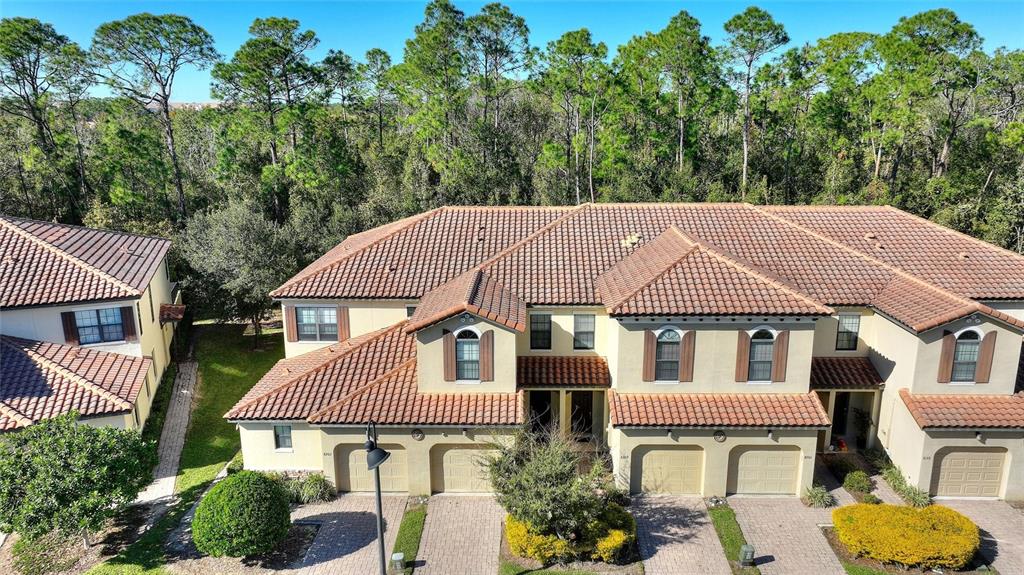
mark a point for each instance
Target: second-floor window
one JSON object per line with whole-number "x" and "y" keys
{"x": 583, "y": 331}
{"x": 540, "y": 331}
{"x": 467, "y": 356}
{"x": 846, "y": 336}
{"x": 666, "y": 356}
{"x": 99, "y": 325}
{"x": 317, "y": 323}
{"x": 762, "y": 348}
{"x": 965, "y": 356}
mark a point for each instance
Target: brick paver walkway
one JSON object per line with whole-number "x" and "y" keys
{"x": 786, "y": 535}
{"x": 677, "y": 537}
{"x": 462, "y": 536}
{"x": 347, "y": 541}
{"x": 1002, "y": 531}
{"x": 172, "y": 438}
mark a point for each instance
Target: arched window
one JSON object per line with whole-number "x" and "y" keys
{"x": 467, "y": 355}
{"x": 762, "y": 348}
{"x": 965, "y": 356}
{"x": 666, "y": 356}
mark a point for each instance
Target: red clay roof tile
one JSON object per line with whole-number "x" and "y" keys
{"x": 474, "y": 292}
{"x": 716, "y": 410}
{"x": 965, "y": 410}
{"x": 562, "y": 371}
{"x": 844, "y": 373}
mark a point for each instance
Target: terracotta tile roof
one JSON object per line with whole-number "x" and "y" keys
{"x": 43, "y": 380}
{"x": 562, "y": 371}
{"x": 44, "y": 263}
{"x": 963, "y": 410}
{"x": 844, "y": 373}
{"x": 555, "y": 256}
{"x": 171, "y": 312}
{"x": 716, "y": 410}
{"x": 474, "y": 292}
{"x": 369, "y": 377}
{"x": 676, "y": 274}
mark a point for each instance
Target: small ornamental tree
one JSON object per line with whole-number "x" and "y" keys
{"x": 61, "y": 476}
{"x": 243, "y": 515}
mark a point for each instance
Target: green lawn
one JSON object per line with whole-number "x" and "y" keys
{"x": 228, "y": 367}
{"x": 731, "y": 536}
{"x": 161, "y": 402}
{"x": 852, "y": 569}
{"x": 409, "y": 534}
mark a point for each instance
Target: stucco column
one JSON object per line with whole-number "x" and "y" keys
{"x": 563, "y": 412}
{"x": 876, "y": 412}
{"x": 831, "y": 412}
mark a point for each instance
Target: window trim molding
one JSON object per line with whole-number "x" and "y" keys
{"x": 98, "y": 325}
{"x": 551, "y": 332}
{"x": 273, "y": 431}
{"x": 956, "y": 341}
{"x": 582, "y": 349}
{"x": 750, "y": 334}
{"x": 479, "y": 336}
{"x": 657, "y": 334}
{"x": 298, "y": 334}
{"x": 839, "y": 323}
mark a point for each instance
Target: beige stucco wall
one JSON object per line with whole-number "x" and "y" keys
{"x": 623, "y": 442}
{"x": 562, "y": 327}
{"x": 1004, "y": 361}
{"x": 826, "y": 328}
{"x": 714, "y": 368}
{"x": 259, "y": 454}
{"x": 364, "y": 316}
{"x": 44, "y": 324}
{"x": 430, "y": 358}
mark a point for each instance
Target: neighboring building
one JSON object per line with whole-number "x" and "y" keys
{"x": 86, "y": 322}
{"x": 711, "y": 348}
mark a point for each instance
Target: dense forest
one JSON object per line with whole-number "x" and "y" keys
{"x": 296, "y": 153}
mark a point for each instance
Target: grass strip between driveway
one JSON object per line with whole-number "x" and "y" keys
{"x": 731, "y": 536}
{"x": 410, "y": 532}
{"x": 228, "y": 367}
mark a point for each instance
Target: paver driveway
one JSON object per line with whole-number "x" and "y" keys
{"x": 347, "y": 541}
{"x": 1002, "y": 531}
{"x": 786, "y": 535}
{"x": 462, "y": 536}
{"x": 677, "y": 537}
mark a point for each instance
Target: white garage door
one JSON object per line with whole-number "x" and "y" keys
{"x": 669, "y": 470}
{"x": 761, "y": 470}
{"x": 354, "y": 476}
{"x": 459, "y": 469}
{"x": 969, "y": 473}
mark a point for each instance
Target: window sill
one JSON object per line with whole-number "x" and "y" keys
{"x": 760, "y": 382}
{"x": 284, "y": 450}
{"x": 963, "y": 383}
{"x": 316, "y": 341}
{"x": 467, "y": 381}
{"x": 666, "y": 382}
{"x": 546, "y": 350}
{"x": 102, "y": 343}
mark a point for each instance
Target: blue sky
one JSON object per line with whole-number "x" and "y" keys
{"x": 356, "y": 26}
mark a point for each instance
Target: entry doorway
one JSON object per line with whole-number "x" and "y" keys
{"x": 582, "y": 415}
{"x": 542, "y": 408}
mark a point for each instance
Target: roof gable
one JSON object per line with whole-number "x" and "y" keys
{"x": 474, "y": 292}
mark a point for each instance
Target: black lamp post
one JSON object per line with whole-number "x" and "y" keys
{"x": 375, "y": 456}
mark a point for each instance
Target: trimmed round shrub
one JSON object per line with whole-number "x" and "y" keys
{"x": 524, "y": 542}
{"x": 858, "y": 482}
{"x": 930, "y": 537}
{"x": 245, "y": 514}
{"x": 315, "y": 488}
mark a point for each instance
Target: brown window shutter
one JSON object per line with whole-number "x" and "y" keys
{"x": 780, "y": 354}
{"x": 344, "y": 331}
{"x": 742, "y": 355}
{"x": 449, "y": 355}
{"x": 649, "y": 350}
{"x": 67, "y": 319}
{"x": 487, "y": 356}
{"x": 985, "y": 353}
{"x": 686, "y": 356}
{"x": 946, "y": 359}
{"x": 291, "y": 327}
{"x": 128, "y": 323}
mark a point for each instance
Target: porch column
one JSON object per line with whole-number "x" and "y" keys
{"x": 564, "y": 422}
{"x": 876, "y": 412}
{"x": 831, "y": 412}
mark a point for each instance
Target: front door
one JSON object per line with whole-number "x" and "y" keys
{"x": 540, "y": 409}
{"x": 841, "y": 414}
{"x": 582, "y": 414}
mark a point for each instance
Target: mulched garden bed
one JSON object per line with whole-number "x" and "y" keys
{"x": 846, "y": 557}
{"x": 287, "y": 555}
{"x": 635, "y": 567}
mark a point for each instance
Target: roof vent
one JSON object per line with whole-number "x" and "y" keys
{"x": 963, "y": 255}
{"x": 10, "y": 260}
{"x": 870, "y": 236}
{"x": 879, "y": 246}
{"x": 631, "y": 240}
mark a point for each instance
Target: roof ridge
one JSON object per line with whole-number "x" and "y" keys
{"x": 82, "y": 382}
{"x": 664, "y": 271}
{"x": 9, "y": 411}
{"x": 570, "y": 212}
{"x": 895, "y": 270}
{"x": 952, "y": 232}
{"x": 755, "y": 270}
{"x": 74, "y": 260}
{"x": 412, "y": 221}
{"x": 363, "y": 388}
{"x": 86, "y": 228}
{"x": 369, "y": 337}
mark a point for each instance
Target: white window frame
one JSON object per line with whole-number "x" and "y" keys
{"x": 96, "y": 311}
{"x": 839, "y": 323}
{"x": 479, "y": 339}
{"x": 657, "y": 334}
{"x": 956, "y": 339}
{"x": 298, "y": 334}
{"x": 551, "y": 331}
{"x": 583, "y": 349}
{"x": 291, "y": 438}
{"x": 750, "y": 335}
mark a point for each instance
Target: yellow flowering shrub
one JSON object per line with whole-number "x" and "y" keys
{"x": 612, "y": 547}
{"x": 522, "y": 541}
{"x": 928, "y": 537}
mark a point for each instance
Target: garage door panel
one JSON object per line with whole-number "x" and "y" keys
{"x": 764, "y": 470}
{"x": 460, "y": 469}
{"x": 968, "y": 472}
{"x": 678, "y": 471}
{"x": 354, "y": 476}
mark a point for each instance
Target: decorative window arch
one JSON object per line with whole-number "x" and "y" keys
{"x": 467, "y": 354}
{"x": 762, "y": 353}
{"x": 966, "y": 353}
{"x": 666, "y": 353}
